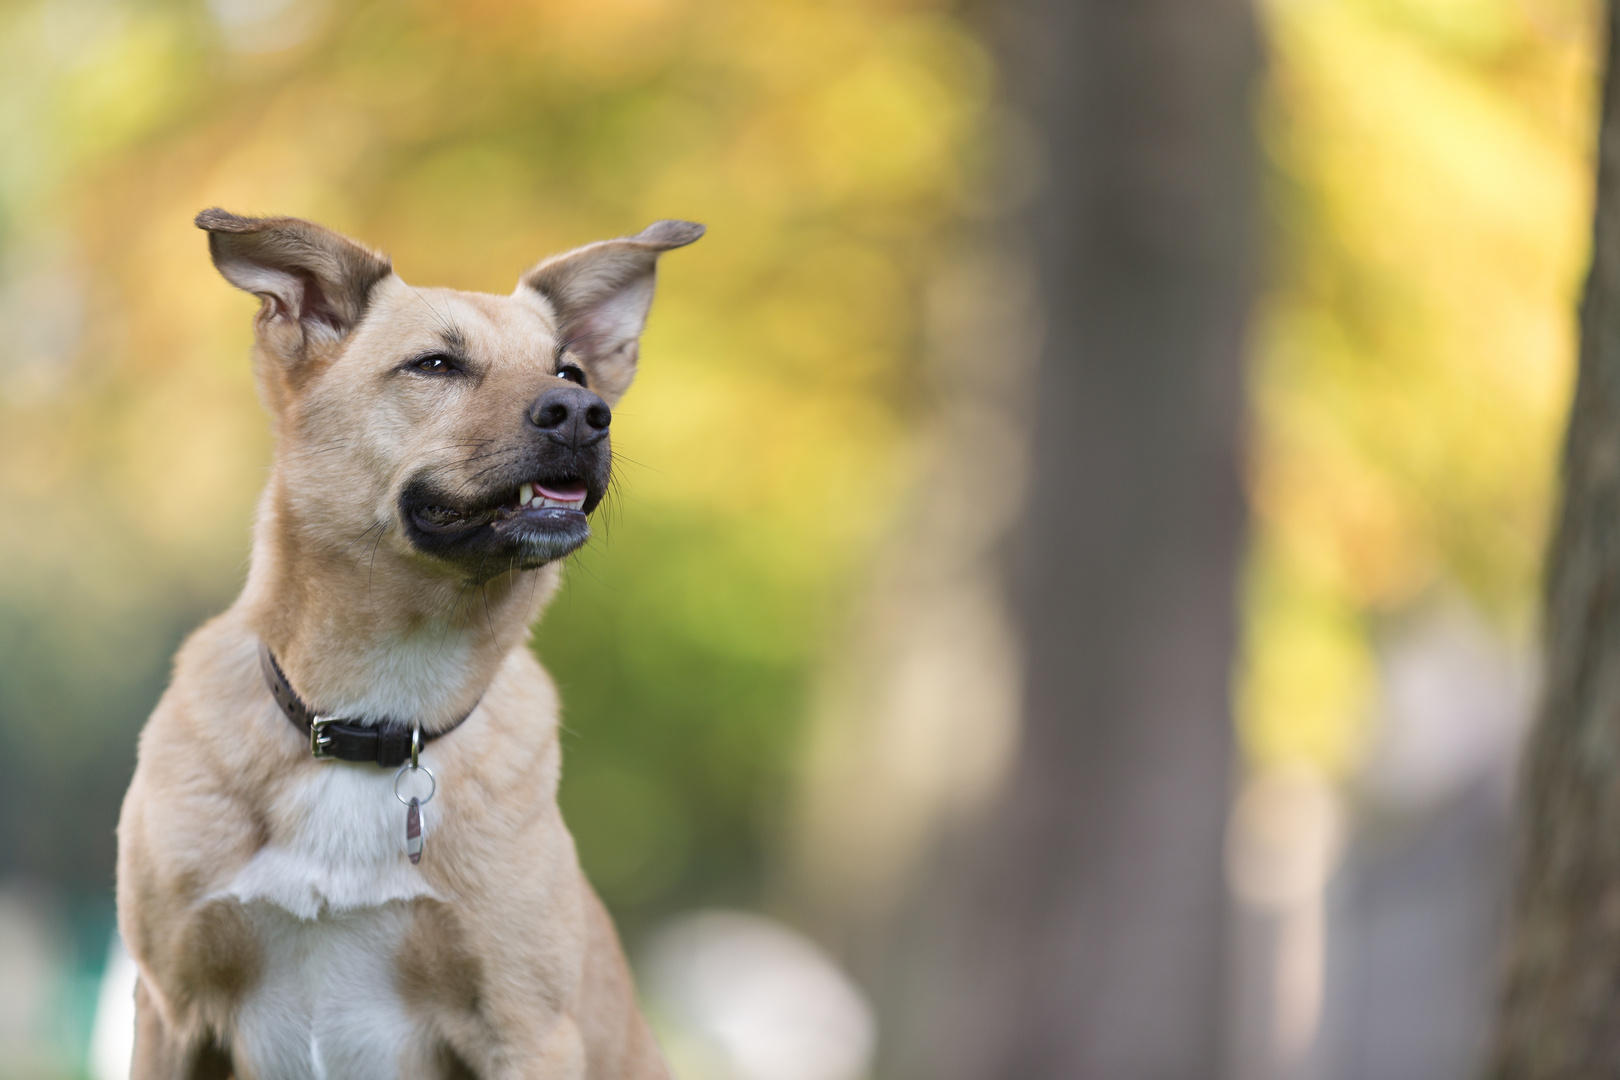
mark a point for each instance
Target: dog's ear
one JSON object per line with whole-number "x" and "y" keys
{"x": 601, "y": 293}
{"x": 314, "y": 283}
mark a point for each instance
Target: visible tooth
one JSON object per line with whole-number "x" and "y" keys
{"x": 525, "y": 494}
{"x": 550, "y": 502}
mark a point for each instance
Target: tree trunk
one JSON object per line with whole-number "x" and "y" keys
{"x": 1560, "y": 1008}
{"x": 1078, "y": 933}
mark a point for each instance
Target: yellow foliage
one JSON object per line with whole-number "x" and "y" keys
{"x": 1429, "y": 189}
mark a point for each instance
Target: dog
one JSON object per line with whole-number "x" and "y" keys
{"x": 341, "y": 854}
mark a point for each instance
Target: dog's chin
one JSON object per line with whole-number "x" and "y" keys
{"x": 496, "y": 542}
{"x": 538, "y": 536}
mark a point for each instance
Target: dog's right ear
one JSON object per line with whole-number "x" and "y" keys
{"x": 314, "y": 283}
{"x": 601, "y": 294}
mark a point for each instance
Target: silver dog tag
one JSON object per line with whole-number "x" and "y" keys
{"x": 413, "y": 807}
{"x": 413, "y": 830}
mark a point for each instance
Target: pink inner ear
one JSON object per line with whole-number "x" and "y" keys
{"x": 314, "y": 306}
{"x": 601, "y": 329}
{"x": 294, "y": 293}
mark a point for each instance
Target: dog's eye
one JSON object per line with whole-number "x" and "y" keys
{"x": 573, "y": 373}
{"x": 435, "y": 365}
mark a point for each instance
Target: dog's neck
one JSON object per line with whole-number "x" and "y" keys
{"x": 366, "y": 632}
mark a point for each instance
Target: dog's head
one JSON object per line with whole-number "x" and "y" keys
{"x": 466, "y": 430}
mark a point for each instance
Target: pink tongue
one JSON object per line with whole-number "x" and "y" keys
{"x": 568, "y": 494}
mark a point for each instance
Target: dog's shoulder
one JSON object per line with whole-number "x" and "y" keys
{"x": 215, "y": 721}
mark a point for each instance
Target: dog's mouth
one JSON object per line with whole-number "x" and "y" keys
{"x": 568, "y": 493}
{"x": 538, "y": 521}
{"x": 564, "y": 493}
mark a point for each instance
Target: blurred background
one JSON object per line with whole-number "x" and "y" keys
{"x": 791, "y": 661}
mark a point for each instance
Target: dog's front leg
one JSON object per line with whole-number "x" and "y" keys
{"x": 557, "y": 1055}
{"x": 163, "y": 1054}
{"x": 618, "y": 1043}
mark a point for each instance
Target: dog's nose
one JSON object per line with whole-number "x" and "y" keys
{"x": 571, "y": 415}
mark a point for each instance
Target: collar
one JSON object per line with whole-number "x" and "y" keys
{"x": 387, "y": 743}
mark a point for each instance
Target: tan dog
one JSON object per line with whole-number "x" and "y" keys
{"x": 437, "y": 452}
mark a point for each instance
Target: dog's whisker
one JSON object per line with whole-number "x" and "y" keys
{"x": 466, "y": 461}
{"x": 534, "y": 585}
{"x": 455, "y": 605}
{"x": 471, "y": 443}
{"x": 576, "y": 560}
{"x": 374, "y": 525}
{"x": 486, "y": 470}
{"x": 619, "y": 457}
{"x": 372, "y": 570}
{"x": 489, "y": 619}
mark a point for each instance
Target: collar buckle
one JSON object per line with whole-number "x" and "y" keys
{"x": 319, "y": 740}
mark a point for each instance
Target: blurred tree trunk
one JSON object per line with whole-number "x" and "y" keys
{"x": 1078, "y": 932}
{"x": 1560, "y": 1008}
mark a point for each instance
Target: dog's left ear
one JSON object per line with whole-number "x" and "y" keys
{"x": 601, "y": 294}
{"x": 313, "y": 283}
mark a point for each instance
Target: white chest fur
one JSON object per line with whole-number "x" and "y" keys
{"x": 326, "y": 896}
{"x": 339, "y": 845}
{"x": 326, "y": 1006}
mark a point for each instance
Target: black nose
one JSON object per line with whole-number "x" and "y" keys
{"x": 571, "y": 415}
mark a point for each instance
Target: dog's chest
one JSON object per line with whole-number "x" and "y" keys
{"x": 329, "y": 899}
{"x": 337, "y": 844}
{"x": 326, "y": 1006}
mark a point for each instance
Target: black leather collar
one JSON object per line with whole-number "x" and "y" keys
{"x": 387, "y": 744}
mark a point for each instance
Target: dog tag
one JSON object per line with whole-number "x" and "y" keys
{"x": 413, "y": 807}
{"x": 413, "y": 830}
